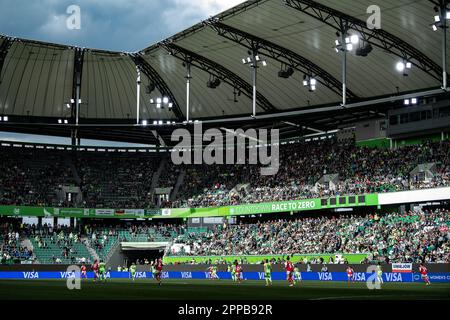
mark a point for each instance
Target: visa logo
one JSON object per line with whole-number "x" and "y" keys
{"x": 325, "y": 276}
{"x": 394, "y": 277}
{"x": 359, "y": 276}
{"x": 67, "y": 275}
{"x": 186, "y": 275}
{"x": 140, "y": 275}
{"x": 30, "y": 275}
{"x": 164, "y": 275}
{"x": 261, "y": 275}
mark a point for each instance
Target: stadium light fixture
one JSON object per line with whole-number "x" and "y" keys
{"x": 59, "y": 121}
{"x": 310, "y": 82}
{"x": 254, "y": 60}
{"x": 66, "y": 121}
{"x": 144, "y": 122}
{"x": 348, "y": 44}
{"x": 411, "y": 101}
{"x": 161, "y": 102}
{"x": 155, "y": 122}
{"x": 403, "y": 66}
{"x": 5, "y": 118}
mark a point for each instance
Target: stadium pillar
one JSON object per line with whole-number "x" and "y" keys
{"x": 443, "y": 12}
{"x": 254, "y": 74}
{"x": 188, "y": 87}
{"x": 344, "y": 29}
{"x": 138, "y": 93}
{"x": 55, "y": 221}
{"x": 39, "y": 222}
{"x": 72, "y": 222}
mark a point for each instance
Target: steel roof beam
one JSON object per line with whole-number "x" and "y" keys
{"x": 217, "y": 71}
{"x": 377, "y": 37}
{"x": 159, "y": 82}
{"x": 280, "y": 54}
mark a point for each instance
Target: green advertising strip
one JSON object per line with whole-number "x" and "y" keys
{"x": 248, "y": 209}
{"x": 254, "y": 259}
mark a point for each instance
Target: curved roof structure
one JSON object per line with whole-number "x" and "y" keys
{"x": 38, "y": 79}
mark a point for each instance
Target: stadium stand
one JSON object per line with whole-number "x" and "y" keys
{"x": 393, "y": 237}
{"x": 114, "y": 180}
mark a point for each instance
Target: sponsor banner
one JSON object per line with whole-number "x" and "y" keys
{"x": 402, "y": 267}
{"x": 305, "y": 276}
{"x": 134, "y": 212}
{"x": 166, "y": 212}
{"x": 119, "y": 212}
{"x": 104, "y": 212}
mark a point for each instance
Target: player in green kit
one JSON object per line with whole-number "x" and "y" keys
{"x": 268, "y": 272}
{"x": 133, "y": 271}
{"x": 102, "y": 270}
{"x": 379, "y": 274}
{"x": 297, "y": 275}
{"x": 233, "y": 272}
{"x": 153, "y": 268}
{"x": 214, "y": 272}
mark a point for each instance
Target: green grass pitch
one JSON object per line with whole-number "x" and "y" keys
{"x": 147, "y": 289}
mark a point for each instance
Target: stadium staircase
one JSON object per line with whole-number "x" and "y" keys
{"x": 179, "y": 183}
{"x": 91, "y": 250}
{"x": 157, "y": 174}
{"x": 69, "y": 163}
{"x": 26, "y": 243}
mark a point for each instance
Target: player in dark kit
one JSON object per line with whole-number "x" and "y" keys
{"x": 290, "y": 272}
{"x": 350, "y": 272}
{"x": 238, "y": 272}
{"x": 424, "y": 273}
{"x": 159, "y": 268}
{"x": 95, "y": 269}
{"x": 83, "y": 271}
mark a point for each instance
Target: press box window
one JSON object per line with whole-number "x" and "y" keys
{"x": 362, "y": 199}
{"x": 332, "y": 201}
{"x": 351, "y": 199}
{"x": 342, "y": 200}
{"x": 324, "y": 202}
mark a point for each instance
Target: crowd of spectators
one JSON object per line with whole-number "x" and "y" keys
{"x": 32, "y": 177}
{"x": 122, "y": 180}
{"x": 116, "y": 180}
{"x": 360, "y": 170}
{"x": 11, "y": 249}
{"x": 413, "y": 236}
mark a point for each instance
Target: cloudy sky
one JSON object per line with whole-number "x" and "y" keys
{"x": 123, "y": 25}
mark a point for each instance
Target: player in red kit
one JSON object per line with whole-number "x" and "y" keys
{"x": 290, "y": 272}
{"x": 350, "y": 272}
{"x": 83, "y": 271}
{"x": 238, "y": 272}
{"x": 95, "y": 269}
{"x": 159, "y": 268}
{"x": 424, "y": 273}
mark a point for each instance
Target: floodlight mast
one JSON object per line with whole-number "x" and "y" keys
{"x": 443, "y": 13}
{"x": 138, "y": 93}
{"x": 188, "y": 87}
{"x": 344, "y": 29}
{"x": 254, "y": 72}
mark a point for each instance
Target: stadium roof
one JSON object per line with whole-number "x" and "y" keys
{"x": 39, "y": 79}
